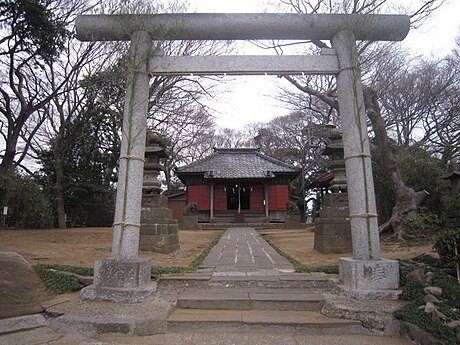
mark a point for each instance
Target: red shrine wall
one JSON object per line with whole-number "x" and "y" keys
{"x": 220, "y": 198}
{"x": 201, "y": 194}
{"x": 257, "y": 199}
{"x": 278, "y": 195}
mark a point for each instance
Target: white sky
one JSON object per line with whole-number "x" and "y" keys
{"x": 250, "y": 99}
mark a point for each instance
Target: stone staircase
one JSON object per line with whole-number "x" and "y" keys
{"x": 256, "y": 302}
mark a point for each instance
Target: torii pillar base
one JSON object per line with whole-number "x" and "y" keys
{"x": 120, "y": 281}
{"x": 370, "y": 279}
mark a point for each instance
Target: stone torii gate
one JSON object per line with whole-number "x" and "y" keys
{"x": 126, "y": 277}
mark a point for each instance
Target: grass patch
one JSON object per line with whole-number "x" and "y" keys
{"x": 299, "y": 267}
{"x": 82, "y": 271}
{"x": 55, "y": 278}
{"x": 414, "y": 313}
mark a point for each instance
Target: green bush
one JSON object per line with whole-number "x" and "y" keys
{"x": 450, "y": 289}
{"x": 448, "y": 247}
{"x": 423, "y": 224}
{"x": 450, "y": 214}
{"x": 28, "y": 206}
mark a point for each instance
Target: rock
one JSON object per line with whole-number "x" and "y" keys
{"x": 428, "y": 258}
{"x": 430, "y": 298}
{"x": 433, "y": 290}
{"x": 453, "y": 324}
{"x": 417, "y": 335}
{"x": 432, "y": 311}
{"x": 437, "y": 315}
{"x": 417, "y": 275}
{"x": 429, "y": 308}
{"x": 22, "y": 291}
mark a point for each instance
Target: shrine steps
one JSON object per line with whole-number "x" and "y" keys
{"x": 228, "y": 307}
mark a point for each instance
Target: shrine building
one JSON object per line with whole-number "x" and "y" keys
{"x": 239, "y": 185}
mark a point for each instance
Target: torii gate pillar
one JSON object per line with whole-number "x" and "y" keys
{"x": 366, "y": 275}
{"x": 125, "y": 277}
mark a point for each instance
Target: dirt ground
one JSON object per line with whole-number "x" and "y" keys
{"x": 81, "y": 247}
{"x": 299, "y": 245}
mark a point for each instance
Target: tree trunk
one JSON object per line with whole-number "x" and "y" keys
{"x": 407, "y": 199}
{"x": 7, "y": 165}
{"x": 58, "y": 187}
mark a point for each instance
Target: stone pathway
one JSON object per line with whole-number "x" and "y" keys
{"x": 244, "y": 250}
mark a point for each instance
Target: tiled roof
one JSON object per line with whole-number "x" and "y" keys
{"x": 237, "y": 163}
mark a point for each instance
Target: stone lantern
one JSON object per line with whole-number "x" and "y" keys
{"x": 332, "y": 227}
{"x": 159, "y": 231}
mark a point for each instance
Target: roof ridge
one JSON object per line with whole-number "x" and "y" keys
{"x": 277, "y": 161}
{"x": 199, "y": 161}
{"x": 236, "y": 149}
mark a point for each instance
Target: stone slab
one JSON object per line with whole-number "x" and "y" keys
{"x": 245, "y": 279}
{"x": 101, "y": 317}
{"x": 21, "y": 323}
{"x": 186, "y": 276}
{"x": 308, "y": 321}
{"x": 128, "y": 295}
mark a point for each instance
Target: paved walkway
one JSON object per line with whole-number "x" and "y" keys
{"x": 244, "y": 250}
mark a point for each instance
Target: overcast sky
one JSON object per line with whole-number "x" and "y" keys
{"x": 249, "y": 99}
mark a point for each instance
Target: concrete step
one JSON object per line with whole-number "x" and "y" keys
{"x": 268, "y": 279}
{"x": 247, "y": 299}
{"x": 311, "y": 322}
{"x": 277, "y": 280}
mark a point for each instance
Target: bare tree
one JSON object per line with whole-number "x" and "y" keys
{"x": 24, "y": 88}
{"x": 408, "y": 200}
{"x": 188, "y": 131}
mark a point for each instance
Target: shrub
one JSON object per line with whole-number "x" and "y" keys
{"x": 423, "y": 224}
{"x": 450, "y": 214}
{"x": 448, "y": 247}
{"x": 28, "y": 206}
